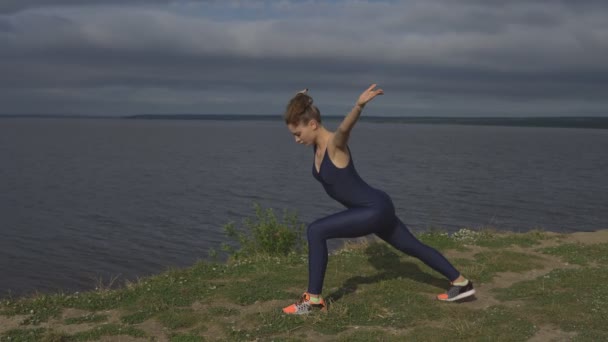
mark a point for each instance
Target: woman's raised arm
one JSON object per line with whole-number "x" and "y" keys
{"x": 343, "y": 131}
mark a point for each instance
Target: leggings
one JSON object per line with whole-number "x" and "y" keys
{"x": 361, "y": 221}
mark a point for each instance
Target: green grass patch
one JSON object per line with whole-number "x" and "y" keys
{"x": 222, "y": 311}
{"x": 24, "y": 335}
{"x": 376, "y": 263}
{"x": 268, "y": 323}
{"x": 39, "y": 309}
{"x": 574, "y": 300}
{"x": 487, "y": 237}
{"x": 107, "y": 330}
{"x": 186, "y": 338}
{"x": 258, "y": 289}
{"x": 495, "y": 239}
{"x": 440, "y": 240}
{"x": 390, "y": 303}
{"x": 191, "y": 335}
{"x": 179, "y": 318}
{"x": 90, "y": 318}
{"x": 591, "y": 335}
{"x": 496, "y": 323}
{"x": 137, "y": 317}
{"x": 580, "y": 254}
{"x": 46, "y": 335}
{"x": 151, "y": 295}
{"x": 487, "y": 264}
{"x": 370, "y": 335}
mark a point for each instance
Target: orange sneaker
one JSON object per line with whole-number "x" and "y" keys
{"x": 456, "y": 292}
{"x": 304, "y": 306}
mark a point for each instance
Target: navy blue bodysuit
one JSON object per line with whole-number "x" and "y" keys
{"x": 369, "y": 211}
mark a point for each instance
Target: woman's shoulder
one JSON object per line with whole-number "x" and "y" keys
{"x": 340, "y": 157}
{"x": 334, "y": 147}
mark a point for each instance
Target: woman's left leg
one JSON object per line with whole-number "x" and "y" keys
{"x": 350, "y": 223}
{"x": 401, "y": 238}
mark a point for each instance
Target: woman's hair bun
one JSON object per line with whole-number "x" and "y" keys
{"x": 300, "y": 108}
{"x": 300, "y": 103}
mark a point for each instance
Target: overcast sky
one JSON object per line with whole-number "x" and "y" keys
{"x": 431, "y": 57}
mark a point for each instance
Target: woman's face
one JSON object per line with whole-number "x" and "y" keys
{"x": 304, "y": 134}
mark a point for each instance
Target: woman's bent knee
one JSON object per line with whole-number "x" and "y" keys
{"x": 314, "y": 232}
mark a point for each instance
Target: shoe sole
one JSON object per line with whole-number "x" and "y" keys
{"x": 323, "y": 309}
{"x": 460, "y": 296}
{"x": 301, "y": 313}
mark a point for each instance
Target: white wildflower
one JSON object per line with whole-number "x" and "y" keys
{"x": 465, "y": 235}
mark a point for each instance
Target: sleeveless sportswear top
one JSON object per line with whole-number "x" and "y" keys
{"x": 345, "y": 185}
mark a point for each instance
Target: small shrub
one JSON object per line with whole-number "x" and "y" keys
{"x": 266, "y": 235}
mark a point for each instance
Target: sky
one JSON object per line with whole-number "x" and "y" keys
{"x": 431, "y": 57}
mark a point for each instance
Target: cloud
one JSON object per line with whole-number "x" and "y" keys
{"x": 12, "y": 6}
{"x": 532, "y": 56}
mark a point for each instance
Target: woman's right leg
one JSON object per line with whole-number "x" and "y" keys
{"x": 350, "y": 223}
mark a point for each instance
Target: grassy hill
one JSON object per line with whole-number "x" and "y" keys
{"x": 535, "y": 286}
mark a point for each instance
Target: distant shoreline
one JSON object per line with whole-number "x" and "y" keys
{"x": 600, "y": 122}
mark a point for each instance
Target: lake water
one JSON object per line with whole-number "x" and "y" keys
{"x": 89, "y": 199}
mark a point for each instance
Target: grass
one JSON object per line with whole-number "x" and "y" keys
{"x": 488, "y": 264}
{"x": 580, "y": 254}
{"x": 576, "y": 300}
{"x": 90, "y": 318}
{"x": 551, "y": 298}
{"x": 375, "y": 293}
{"x": 46, "y": 335}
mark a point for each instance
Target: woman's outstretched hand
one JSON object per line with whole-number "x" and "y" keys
{"x": 368, "y": 95}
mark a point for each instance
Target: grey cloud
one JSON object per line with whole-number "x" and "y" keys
{"x": 243, "y": 79}
{"x": 518, "y": 48}
{"x": 528, "y": 57}
{"x": 5, "y": 25}
{"x": 12, "y": 6}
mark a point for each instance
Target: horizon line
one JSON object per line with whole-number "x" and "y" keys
{"x": 193, "y": 115}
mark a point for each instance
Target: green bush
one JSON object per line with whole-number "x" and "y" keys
{"x": 266, "y": 235}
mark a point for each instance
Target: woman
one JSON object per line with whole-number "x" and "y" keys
{"x": 369, "y": 210}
